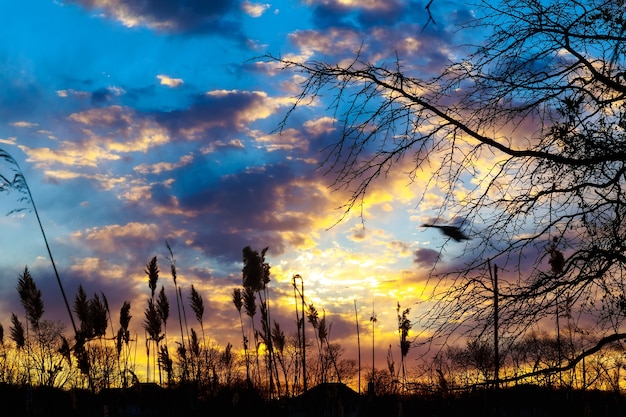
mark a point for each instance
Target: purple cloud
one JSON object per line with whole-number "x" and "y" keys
{"x": 176, "y": 17}
{"x": 426, "y": 257}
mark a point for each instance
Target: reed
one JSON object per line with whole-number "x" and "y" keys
{"x": 404, "y": 325}
{"x": 123, "y": 340}
{"x": 197, "y": 305}
{"x": 182, "y": 349}
{"x": 152, "y": 323}
{"x": 17, "y": 333}
{"x": 30, "y": 297}
{"x": 19, "y": 184}
{"x": 237, "y": 297}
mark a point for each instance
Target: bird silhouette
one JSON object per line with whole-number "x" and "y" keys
{"x": 452, "y": 232}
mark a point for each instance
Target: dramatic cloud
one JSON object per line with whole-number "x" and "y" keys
{"x": 194, "y": 16}
{"x": 329, "y": 13}
{"x": 219, "y": 109}
{"x": 145, "y": 121}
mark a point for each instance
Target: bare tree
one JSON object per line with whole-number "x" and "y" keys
{"x": 535, "y": 116}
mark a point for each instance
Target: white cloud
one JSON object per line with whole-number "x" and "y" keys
{"x": 254, "y": 9}
{"x": 24, "y": 124}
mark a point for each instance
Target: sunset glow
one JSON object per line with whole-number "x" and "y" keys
{"x": 141, "y": 123}
{"x": 132, "y": 130}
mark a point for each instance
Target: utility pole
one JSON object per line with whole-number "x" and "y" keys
{"x": 303, "y": 347}
{"x": 496, "y": 351}
{"x": 372, "y": 382}
{"x": 358, "y": 342}
{"x": 495, "y": 328}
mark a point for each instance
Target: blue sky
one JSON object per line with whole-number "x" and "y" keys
{"x": 140, "y": 122}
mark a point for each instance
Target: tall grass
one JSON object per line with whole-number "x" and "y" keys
{"x": 123, "y": 341}
{"x": 182, "y": 349}
{"x": 404, "y": 325}
{"x": 153, "y": 322}
{"x": 19, "y": 184}
{"x": 237, "y": 297}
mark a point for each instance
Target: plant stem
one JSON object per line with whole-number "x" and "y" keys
{"x": 45, "y": 239}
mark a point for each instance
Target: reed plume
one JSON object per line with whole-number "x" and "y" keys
{"x": 238, "y": 302}
{"x": 404, "y": 325}
{"x": 81, "y": 308}
{"x": 30, "y": 297}
{"x": 17, "y": 332}
{"x": 152, "y": 270}
{"x": 181, "y": 348}
{"x": 125, "y": 319}
{"x": 123, "y": 338}
{"x": 92, "y": 314}
{"x": 98, "y": 315}
{"x": 197, "y": 305}
{"x": 19, "y": 184}
{"x": 163, "y": 308}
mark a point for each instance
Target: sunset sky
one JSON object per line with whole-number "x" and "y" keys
{"x": 137, "y": 122}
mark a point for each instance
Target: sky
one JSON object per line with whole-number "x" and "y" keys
{"x": 137, "y": 123}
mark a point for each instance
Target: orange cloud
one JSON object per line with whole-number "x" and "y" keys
{"x": 160, "y": 167}
{"x": 288, "y": 139}
{"x": 260, "y": 108}
{"x": 254, "y": 9}
{"x": 109, "y": 238}
{"x": 332, "y": 41}
{"x": 169, "y": 81}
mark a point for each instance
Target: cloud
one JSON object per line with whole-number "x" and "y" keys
{"x": 9, "y": 141}
{"x": 287, "y": 140}
{"x": 23, "y": 124}
{"x": 92, "y": 266}
{"x": 71, "y": 92}
{"x": 124, "y": 136}
{"x": 117, "y": 238}
{"x": 273, "y": 206}
{"x": 367, "y": 13}
{"x": 216, "y": 145}
{"x": 220, "y": 109}
{"x": 426, "y": 257}
{"x": 333, "y": 41}
{"x": 105, "y": 134}
{"x": 358, "y": 234}
{"x": 323, "y": 125}
{"x": 70, "y": 154}
{"x": 105, "y": 182}
{"x": 111, "y": 117}
{"x": 400, "y": 248}
{"x": 188, "y": 17}
{"x": 169, "y": 81}
{"x": 100, "y": 96}
{"x": 159, "y": 167}
{"x": 254, "y": 9}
